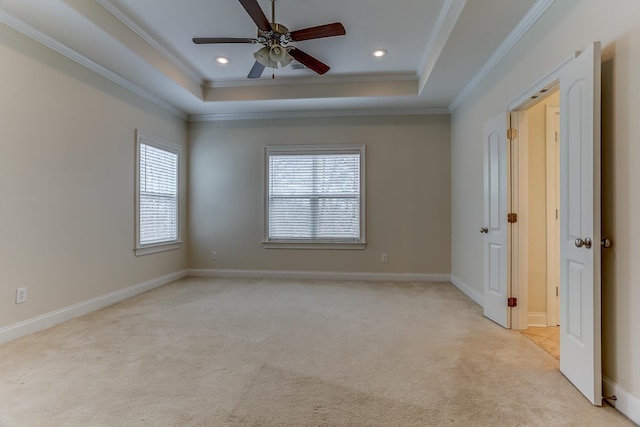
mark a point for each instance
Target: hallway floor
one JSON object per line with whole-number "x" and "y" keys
{"x": 547, "y": 338}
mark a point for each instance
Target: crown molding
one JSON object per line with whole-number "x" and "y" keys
{"x": 61, "y": 48}
{"x": 445, "y": 24}
{"x": 532, "y": 16}
{"x": 317, "y": 114}
{"x": 113, "y": 9}
{"x": 403, "y": 77}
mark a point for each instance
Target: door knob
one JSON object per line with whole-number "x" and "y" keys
{"x": 605, "y": 243}
{"x": 587, "y": 243}
{"x": 484, "y": 230}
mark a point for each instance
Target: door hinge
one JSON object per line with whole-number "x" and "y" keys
{"x": 512, "y": 218}
{"x": 512, "y": 302}
{"x": 512, "y": 133}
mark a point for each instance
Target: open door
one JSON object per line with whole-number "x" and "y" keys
{"x": 495, "y": 221}
{"x": 580, "y": 329}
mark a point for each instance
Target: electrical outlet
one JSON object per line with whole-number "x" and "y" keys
{"x": 21, "y": 295}
{"x": 385, "y": 258}
{"x": 214, "y": 255}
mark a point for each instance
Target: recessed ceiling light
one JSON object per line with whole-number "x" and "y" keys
{"x": 222, "y": 60}
{"x": 379, "y": 53}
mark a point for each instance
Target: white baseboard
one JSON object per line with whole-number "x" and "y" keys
{"x": 35, "y": 324}
{"x": 537, "y": 319}
{"x": 626, "y": 403}
{"x": 466, "y": 289}
{"x": 321, "y": 275}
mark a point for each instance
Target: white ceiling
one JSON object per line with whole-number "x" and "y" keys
{"x": 437, "y": 50}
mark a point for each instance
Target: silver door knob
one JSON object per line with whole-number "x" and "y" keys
{"x": 587, "y": 243}
{"x": 484, "y": 230}
{"x": 605, "y": 243}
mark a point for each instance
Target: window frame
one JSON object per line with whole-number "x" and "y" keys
{"x": 145, "y": 138}
{"x": 359, "y": 149}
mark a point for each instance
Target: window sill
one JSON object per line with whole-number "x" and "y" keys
{"x": 315, "y": 245}
{"x": 158, "y": 247}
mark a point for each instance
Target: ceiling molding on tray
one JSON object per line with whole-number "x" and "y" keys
{"x": 536, "y": 11}
{"x": 86, "y": 62}
{"x": 326, "y": 80}
{"x": 151, "y": 41}
{"x": 317, "y": 114}
{"x": 445, "y": 24}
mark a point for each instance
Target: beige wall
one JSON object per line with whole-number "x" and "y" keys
{"x": 67, "y": 181}
{"x": 407, "y": 201}
{"x": 566, "y": 27}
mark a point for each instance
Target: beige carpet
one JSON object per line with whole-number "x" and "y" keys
{"x": 203, "y": 352}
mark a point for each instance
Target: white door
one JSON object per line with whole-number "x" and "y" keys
{"x": 580, "y": 359}
{"x": 495, "y": 220}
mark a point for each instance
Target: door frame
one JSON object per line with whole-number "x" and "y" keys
{"x": 519, "y": 189}
{"x": 553, "y": 220}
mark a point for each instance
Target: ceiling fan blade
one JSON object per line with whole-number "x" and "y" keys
{"x": 309, "y": 61}
{"x": 255, "y": 12}
{"x": 211, "y": 40}
{"x": 256, "y": 71}
{"x": 328, "y": 30}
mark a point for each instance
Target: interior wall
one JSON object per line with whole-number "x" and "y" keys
{"x": 565, "y": 28}
{"x": 537, "y": 212}
{"x": 67, "y": 182}
{"x": 407, "y": 193}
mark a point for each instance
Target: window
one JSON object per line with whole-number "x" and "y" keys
{"x": 157, "y": 168}
{"x": 314, "y": 197}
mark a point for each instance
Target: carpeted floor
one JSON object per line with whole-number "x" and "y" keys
{"x": 204, "y": 352}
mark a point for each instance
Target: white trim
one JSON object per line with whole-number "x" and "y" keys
{"x": 314, "y": 245}
{"x": 518, "y": 194}
{"x": 317, "y": 114}
{"x": 466, "y": 289}
{"x": 35, "y": 324}
{"x": 536, "y": 11}
{"x": 353, "y": 149}
{"x": 326, "y": 81}
{"x": 449, "y": 15}
{"x": 549, "y": 81}
{"x": 552, "y": 173}
{"x": 320, "y": 275}
{"x": 160, "y": 247}
{"x": 146, "y": 138}
{"x": 537, "y": 319}
{"x": 626, "y": 402}
{"x": 197, "y": 79}
{"x": 90, "y": 64}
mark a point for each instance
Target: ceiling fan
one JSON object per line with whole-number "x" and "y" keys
{"x": 276, "y": 38}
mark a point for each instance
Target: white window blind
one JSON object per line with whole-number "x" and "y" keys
{"x": 314, "y": 195}
{"x": 157, "y": 191}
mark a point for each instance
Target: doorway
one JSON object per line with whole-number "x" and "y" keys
{"x": 539, "y": 188}
{"x": 506, "y": 235}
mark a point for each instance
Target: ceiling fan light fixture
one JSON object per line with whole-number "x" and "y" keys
{"x": 379, "y": 53}
{"x": 262, "y": 56}
{"x": 222, "y": 60}
{"x": 286, "y": 61}
{"x": 277, "y": 53}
